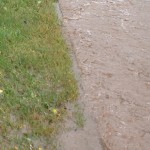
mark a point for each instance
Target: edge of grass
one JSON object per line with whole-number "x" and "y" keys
{"x": 36, "y": 74}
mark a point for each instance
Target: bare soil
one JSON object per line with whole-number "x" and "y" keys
{"x": 111, "y": 40}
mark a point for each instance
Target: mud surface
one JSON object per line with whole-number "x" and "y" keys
{"x": 111, "y": 41}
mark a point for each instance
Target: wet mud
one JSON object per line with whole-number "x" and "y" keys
{"x": 111, "y": 41}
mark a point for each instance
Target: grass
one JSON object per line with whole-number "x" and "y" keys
{"x": 79, "y": 116}
{"x": 35, "y": 74}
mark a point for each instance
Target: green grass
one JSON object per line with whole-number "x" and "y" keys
{"x": 35, "y": 74}
{"x": 79, "y": 116}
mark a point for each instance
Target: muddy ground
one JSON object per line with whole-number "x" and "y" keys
{"x": 111, "y": 40}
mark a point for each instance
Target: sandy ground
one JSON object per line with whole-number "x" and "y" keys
{"x": 111, "y": 40}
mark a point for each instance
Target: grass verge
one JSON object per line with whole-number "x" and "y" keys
{"x": 35, "y": 74}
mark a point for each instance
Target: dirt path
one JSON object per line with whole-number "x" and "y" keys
{"x": 111, "y": 41}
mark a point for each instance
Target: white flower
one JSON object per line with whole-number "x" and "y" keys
{"x": 39, "y": 2}
{"x": 1, "y": 91}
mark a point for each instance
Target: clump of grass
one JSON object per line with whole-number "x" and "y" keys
{"x": 35, "y": 74}
{"x": 79, "y": 116}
